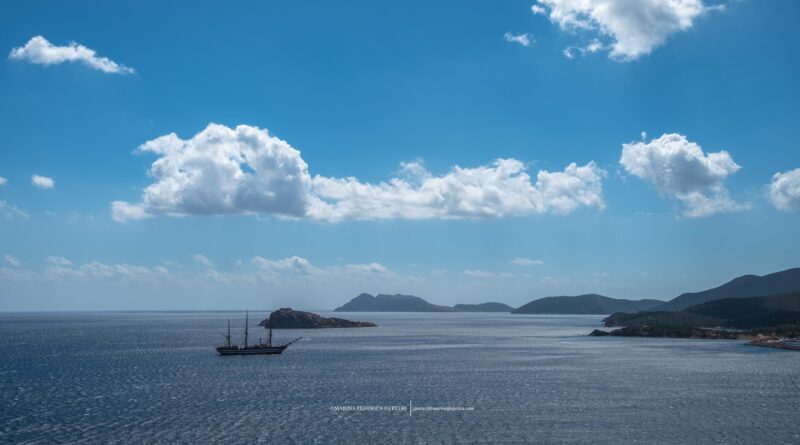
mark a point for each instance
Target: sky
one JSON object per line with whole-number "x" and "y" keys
{"x": 206, "y": 155}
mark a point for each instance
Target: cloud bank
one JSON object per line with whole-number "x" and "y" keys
{"x": 634, "y": 27}
{"x": 245, "y": 170}
{"x": 41, "y": 52}
{"x": 680, "y": 169}
{"x": 784, "y": 191}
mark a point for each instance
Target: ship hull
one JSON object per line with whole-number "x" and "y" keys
{"x": 251, "y": 351}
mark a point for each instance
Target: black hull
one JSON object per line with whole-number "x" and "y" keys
{"x": 251, "y": 351}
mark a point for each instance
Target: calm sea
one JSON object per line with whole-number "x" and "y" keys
{"x": 155, "y": 378}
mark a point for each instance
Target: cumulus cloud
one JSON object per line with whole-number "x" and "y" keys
{"x": 8, "y": 211}
{"x": 41, "y": 52}
{"x": 522, "y": 261}
{"x": 295, "y": 265}
{"x": 680, "y": 169}
{"x": 634, "y": 27}
{"x": 523, "y": 39}
{"x": 3, "y": 180}
{"x": 42, "y": 182}
{"x": 245, "y": 170}
{"x": 784, "y": 191}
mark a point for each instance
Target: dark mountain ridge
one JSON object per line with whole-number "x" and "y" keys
{"x": 390, "y": 303}
{"x": 783, "y": 282}
{"x": 736, "y": 313}
{"x": 584, "y": 304}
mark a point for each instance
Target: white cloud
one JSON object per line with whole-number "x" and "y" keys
{"x": 41, "y": 52}
{"x": 295, "y": 265}
{"x": 478, "y": 273}
{"x": 58, "y": 261}
{"x": 635, "y": 27}
{"x": 62, "y": 268}
{"x": 294, "y": 272}
{"x": 366, "y": 269}
{"x": 248, "y": 171}
{"x": 299, "y": 267}
{"x": 522, "y": 261}
{"x": 123, "y": 211}
{"x": 11, "y": 260}
{"x": 203, "y": 260}
{"x": 500, "y": 189}
{"x": 43, "y": 182}
{"x": 784, "y": 191}
{"x": 523, "y": 39}
{"x": 680, "y": 169}
{"x": 9, "y": 211}
{"x": 483, "y": 274}
{"x": 592, "y": 47}
{"x": 3, "y": 180}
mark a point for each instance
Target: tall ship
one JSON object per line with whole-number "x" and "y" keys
{"x": 247, "y": 349}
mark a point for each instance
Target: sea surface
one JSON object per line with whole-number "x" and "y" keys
{"x": 154, "y": 377}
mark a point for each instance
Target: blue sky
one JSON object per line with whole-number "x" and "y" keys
{"x": 361, "y": 89}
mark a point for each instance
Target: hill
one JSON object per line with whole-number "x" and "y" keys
{"x": 584, "y": 304}
{"x": 743, "y": 287}
{"x": 736, "y": 313}
{"x": 483, "y": 307}
{"x": 390, "y": 303}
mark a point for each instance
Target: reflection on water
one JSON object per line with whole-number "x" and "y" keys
{"x": 154, "y": 377}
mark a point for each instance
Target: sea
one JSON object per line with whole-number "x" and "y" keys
{"x": 418, "y": 378}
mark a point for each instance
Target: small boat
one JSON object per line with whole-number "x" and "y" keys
{"x": 256, "y": 349}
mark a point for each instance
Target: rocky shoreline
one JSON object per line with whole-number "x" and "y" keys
{"x": 792, "y": 344}
{"x": 668, "y": 332}
{"x": 768, "y": 341}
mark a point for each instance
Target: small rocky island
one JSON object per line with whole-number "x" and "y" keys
{"x": 287, "y": 318}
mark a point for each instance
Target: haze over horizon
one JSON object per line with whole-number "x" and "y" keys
{"x": 490, "y": 152}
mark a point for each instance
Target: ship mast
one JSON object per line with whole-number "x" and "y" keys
{"x": 228, "y": 337}
{"x": 269, "y": 343}
{"x": 246, "y": 322}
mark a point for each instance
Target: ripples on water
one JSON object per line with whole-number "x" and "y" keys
{"x": 154, "y": 377}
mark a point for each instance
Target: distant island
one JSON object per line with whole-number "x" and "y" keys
{"x": 409, "y": 303}
{"x": 584, "y": 304}
{"x": 390, "y": 303}
{"x": 286, "y": 318}
{"x": 483, "y": 307}
{"x": 581, "y": 304}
